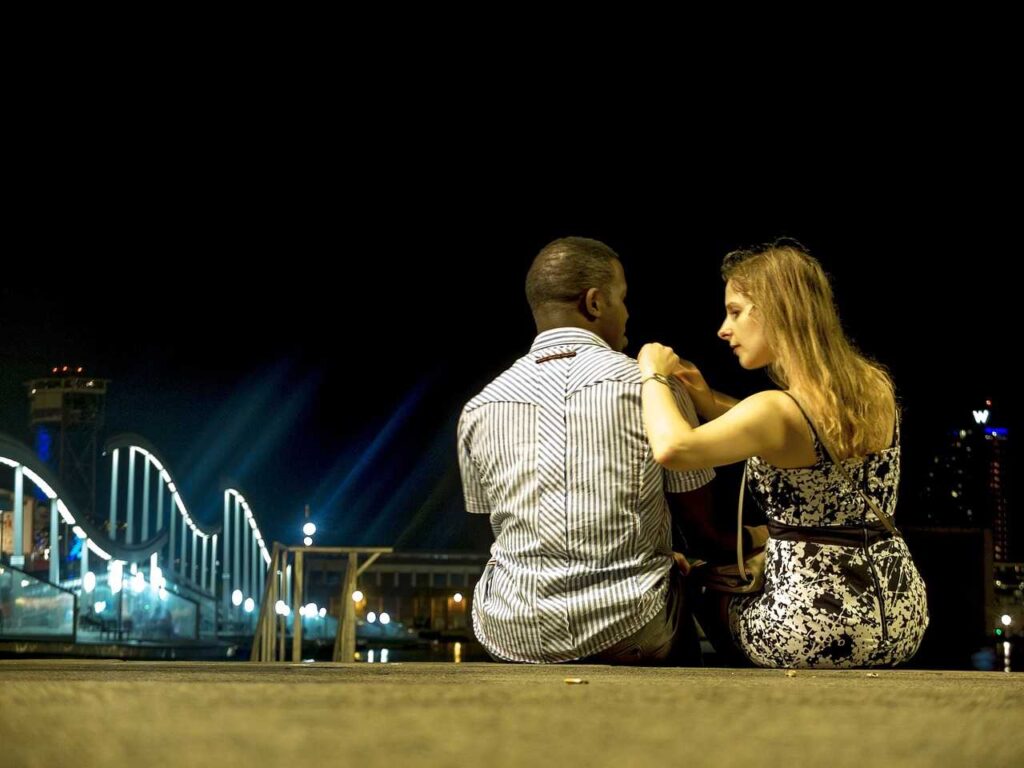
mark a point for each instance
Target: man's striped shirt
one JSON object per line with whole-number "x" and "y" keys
{"x": 554, "y": 450}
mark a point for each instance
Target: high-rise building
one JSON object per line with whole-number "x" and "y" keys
{"x": 966, "y": 483}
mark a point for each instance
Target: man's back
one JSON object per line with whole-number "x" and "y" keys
{"x": 555, "y": 451}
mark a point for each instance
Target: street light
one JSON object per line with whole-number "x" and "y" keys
{"x": 308, "y": 529}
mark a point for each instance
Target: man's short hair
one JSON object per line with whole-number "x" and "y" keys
{"x": 566, "y": 268}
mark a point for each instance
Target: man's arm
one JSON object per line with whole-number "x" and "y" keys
{"x": 694, "y": 531}
{"x": 472, "y": 487}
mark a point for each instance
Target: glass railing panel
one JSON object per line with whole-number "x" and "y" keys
{"x": 33, "y": 608}
{"x": 134, "y": 611}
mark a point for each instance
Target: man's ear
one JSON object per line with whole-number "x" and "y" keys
{"x": 591, "y": 306}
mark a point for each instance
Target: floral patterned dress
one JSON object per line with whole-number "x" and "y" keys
{"x": 839, "y": 590}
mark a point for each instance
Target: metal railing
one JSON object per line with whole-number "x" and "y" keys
{"x": 270, "y": 637}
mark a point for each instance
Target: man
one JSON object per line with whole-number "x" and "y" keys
{"x": 554, "y": 450}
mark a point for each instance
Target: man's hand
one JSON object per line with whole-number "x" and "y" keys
{"x": 682, "y": 563}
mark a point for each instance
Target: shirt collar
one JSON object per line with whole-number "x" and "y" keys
{"x": 560, "y": 337}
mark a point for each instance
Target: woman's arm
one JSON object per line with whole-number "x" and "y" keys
{"x": 710, "y": 404}
{"x": 754, "y": 426}
{"x": 723, "y": 403}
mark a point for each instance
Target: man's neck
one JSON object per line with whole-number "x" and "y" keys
{"x": 550, "y": 321}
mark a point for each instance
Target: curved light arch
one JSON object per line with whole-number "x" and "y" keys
{"x": 243, "y": 544}
{"x": 17, "y": 455}
{"x": 138, "y": 444}
{"x": 250, "y": 515}
{"x": 196, "y": 561}
{"x": 159, "y": 548}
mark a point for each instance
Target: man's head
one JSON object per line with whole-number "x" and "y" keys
{"x": 579, "y": 282}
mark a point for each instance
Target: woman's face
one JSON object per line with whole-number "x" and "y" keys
{"x": 743, "y": 331}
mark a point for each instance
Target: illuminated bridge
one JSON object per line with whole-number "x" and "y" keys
{"x": 149, "y": 573}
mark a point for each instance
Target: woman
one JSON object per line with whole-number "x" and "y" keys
{"x": 840, "y": 590}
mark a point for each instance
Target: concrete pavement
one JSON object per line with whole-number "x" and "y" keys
{"x": 115, "y": 713}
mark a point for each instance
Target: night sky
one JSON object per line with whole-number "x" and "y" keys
{"x": 315, "y": 343}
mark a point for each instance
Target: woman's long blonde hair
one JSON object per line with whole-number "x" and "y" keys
{"x": 850, "y": 399}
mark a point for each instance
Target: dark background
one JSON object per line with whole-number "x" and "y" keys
{"x": 316, "y": 347}
{"x": 295, "y": 281}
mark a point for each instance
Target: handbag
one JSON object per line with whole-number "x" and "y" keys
{"x": 746, "y": 575}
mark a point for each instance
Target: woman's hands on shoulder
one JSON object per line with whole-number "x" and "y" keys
{"x": 702, "y": 395}
{"x": 658, "y": 358}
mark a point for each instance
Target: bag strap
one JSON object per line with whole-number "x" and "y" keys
{"x": 872, "y": 505}
{"x": 739, "y": 526}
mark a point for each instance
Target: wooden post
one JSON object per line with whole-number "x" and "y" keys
{"x": 274, "y": 594}
{"x": 282, "y": 621}
{"x": 282, "y": 630}
{"x": 296, "y": 609}
{"x": 345, "y": 642}
{"x": 262, "y": 638}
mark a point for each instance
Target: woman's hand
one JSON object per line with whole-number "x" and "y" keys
{"x": 657, "y": 358}
{"x": 701, "y": 394}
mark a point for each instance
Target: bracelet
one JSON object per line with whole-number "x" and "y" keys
{"x": 659, "y": 377}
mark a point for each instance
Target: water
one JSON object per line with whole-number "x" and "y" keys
{"x": 454, "y": 652}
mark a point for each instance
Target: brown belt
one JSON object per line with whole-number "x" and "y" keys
{"x": 838, "y": 535}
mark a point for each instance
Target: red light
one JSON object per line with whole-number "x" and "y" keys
{"x": 988, "y": 403}
{"x": 55, "y": 369}
{"x": 79, "y": 369}
{"x": 65, "y": 369}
